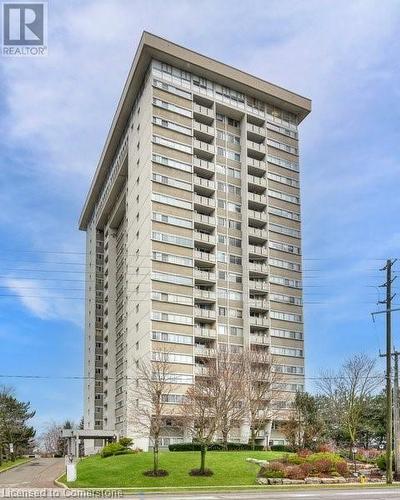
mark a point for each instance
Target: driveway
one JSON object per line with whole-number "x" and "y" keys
{"x": 39, "y": 473}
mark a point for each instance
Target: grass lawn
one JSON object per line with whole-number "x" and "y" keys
{"x": 230, "y": 469}
{"x": 9, "y": 464}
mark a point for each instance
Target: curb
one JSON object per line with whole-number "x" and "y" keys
{"x": 17, "y": 465}
{"x": 58, "y": 483}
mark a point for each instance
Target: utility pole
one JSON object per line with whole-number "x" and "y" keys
{"x": 396, "y": 422}
{"x": 388, "y": 355}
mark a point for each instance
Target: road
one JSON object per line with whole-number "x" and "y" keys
{"x": 39, "y": 473}
{"x": 323, "y": 494}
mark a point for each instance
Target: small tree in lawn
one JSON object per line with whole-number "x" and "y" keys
{"x": 201, "y": 415}
{"x": 227, "y": 373}
{"x": 154, "y": 384}
{"x": 262, "y": 390}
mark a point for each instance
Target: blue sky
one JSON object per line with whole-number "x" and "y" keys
{"x": 54, "y": 116}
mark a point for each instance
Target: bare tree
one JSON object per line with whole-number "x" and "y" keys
{"x": 347, "y": 392}
{"x": 50, "y": 440}
{"x": 263, "y": 390}
{"x": 227, "y": 373}
{"x": 200, "y": 413}
{"x": 154, "y": 386}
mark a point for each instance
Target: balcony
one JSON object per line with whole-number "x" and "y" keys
{"x": 256, "y": 150}
{"x": 257, "y": 200}
{"x": 204, "y": 352}
{"x": 204, "y": 295}
{"x": 258, "y": 267}
{"x": 203, "y": 167}
{"x": 256, "y": 184}
{"x": 203, "y": 239}
{"x": 206, "y": 221}
{"x": 258, "y": 251}
{"x": 203, "y": 149}
{"x": 201, "y": 370}
{"x": 203, "y": 204}
{"x": 257, "y": 218}
{"x": 255, "y": 133}
{"x": 259, "y": 339}
{"x": 202, "y": 258}
{"x": 258, "y": 304}
{"x": 258, "y": 285}
{"x": 205, "y": 333}
{"x": 259, "y": 321}
{"x": 203, "y": 114}
{"x": 205, "y": 314}
{"x": 203, "y": 131}
{"x": 204, "y": 276}
{"x": 203, "y": 186}
{"x": 258, "y": 233}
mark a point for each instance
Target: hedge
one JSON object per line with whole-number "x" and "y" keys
{"x": 281, "y": 447}
{"x": 212, "y": 447}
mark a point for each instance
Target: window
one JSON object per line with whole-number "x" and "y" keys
{"x": 282, "y": 130}
{"x": 178, "y": 378}
{"x": 173, "y": 90}
{"x": 290, "y": 165}
{"x": 280, "y": 280}
{"x": 235, "y": 224}
{"x": 161, "y": 122}
{"x": 289, "y": 231}
{"x": 169, "y": 181}
{"x": 169, "y": 162}
{"x": 235, "y": 242}
{"x": 289, "y": 181}
{"x": 234, "y": 207}
{"x": 170, "y": 200}
{"x": 173, "y": 398}
{"x": 171, "y": 318}
{"x": 172, "y": 107}
{"x": 222, "y": 311}
{"x": 284, "y": 196}
{"x": 172, "y": 144}
{"x": 172, "y": 239}
{"x": 280, "y": 212}
{"x": 283, "y": 146}
{"x": 293, "y": 370}
{"x": 286, "y": 334}
{"x": 284, "y": 247}
{"x": 174, "y": 221}
{"x": 286, "y": 299}
{"x": 172, "y": 278}
{"x": 171, "y": 357}
{"x": 236, "y": 330}
{"x": 287, "y": 351}
{"x": 171, "y": 297}
{"x": 227, "y": 153}
{"x": 285, "y": 264}
{"x": 172, "y": 338}
{"x": 283, "y": 316}
{"x": 173, "y": 259}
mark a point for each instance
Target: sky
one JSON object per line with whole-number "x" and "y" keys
{"x": 55, "y": 112}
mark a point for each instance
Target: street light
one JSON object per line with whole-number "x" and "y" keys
{"x": 354, "y": 451}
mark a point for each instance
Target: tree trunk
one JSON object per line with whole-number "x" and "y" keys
{"x": 155, "y": 455}
{"x": 253, "y": 439}
{"x": 225, "y": 439}
{"x": 203, "y": 458}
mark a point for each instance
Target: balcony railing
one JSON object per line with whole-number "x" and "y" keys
{"x": 259, "y": 339}
{"x": 205, "y": 256}
{"x": 205, "y": 238}
{"x": 204, "y": 294}
{"x": 204, "y": 165}
{"x": 255, "y": 129}
{"x": 256, "y": 146}
{"x": 258, "y": 198}
{"x": 203, "y": 110}
{"x": 204, "y": 275}
{"x": 258, "y": 303}
{"x": 199, "y": 350}
{"x": 258, "y": 181}
{"x": 201, "y": 370}
{"x": 259, "y": 321}
{"x": 204, "y": 146}
{"x": 202, "y": 128}
{"x": 258, "y": 250}
{"x": 204, "y": 219}
{"x": 204, "y": 313}
{"x": 258, "y": 267}
{"x": 258, "y": 285}
{"x": 207, "y": 333}
{"x": 200, "y": 181}
{"x": 203, "y": 200}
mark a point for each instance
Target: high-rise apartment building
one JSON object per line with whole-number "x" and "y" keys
{"x": 193, "y": 230}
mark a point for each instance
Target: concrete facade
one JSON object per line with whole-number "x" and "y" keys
{"x": 193, "y": 230}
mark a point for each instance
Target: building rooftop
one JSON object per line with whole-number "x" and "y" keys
{"x": 153, "y": 47}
